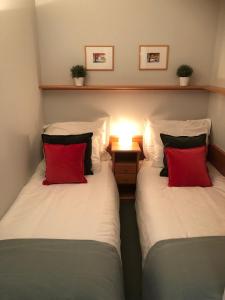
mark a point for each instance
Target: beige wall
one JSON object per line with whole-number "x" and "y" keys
{"x": 125, "y": 107}
{"x": 20, "y": 104}
{"x": 217, "y": 102}
{"x": 218, "y": 67}
{"x": 65, "y": 27}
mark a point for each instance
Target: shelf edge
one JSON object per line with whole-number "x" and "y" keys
{"x": 122, "y": 87}
{"x": 216, "y": 89}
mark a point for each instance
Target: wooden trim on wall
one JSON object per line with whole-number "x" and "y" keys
{"x": 139, "y": 140}
{"x": 216, "y": 156}
{"x": 70, "y": 87}
{"x": 119, "y": 87}
{"x": 216, "y": 89}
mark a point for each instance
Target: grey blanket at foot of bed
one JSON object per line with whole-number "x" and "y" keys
{"x": 185, "y": 269}
{"x": 59, "y": 270}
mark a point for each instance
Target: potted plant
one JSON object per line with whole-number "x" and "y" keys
{"x": 78, "y": 73}
{"x": 184, "y": 72}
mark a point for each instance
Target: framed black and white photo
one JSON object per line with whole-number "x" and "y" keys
{"x": 99, "y": 58}
{"x": 153, "y": 57}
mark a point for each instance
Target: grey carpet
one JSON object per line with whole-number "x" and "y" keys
{"x": 130, "y": 251}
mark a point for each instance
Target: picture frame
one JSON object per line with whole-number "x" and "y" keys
{"x": 153, "y": 57}
{"x": 99, "y": 58}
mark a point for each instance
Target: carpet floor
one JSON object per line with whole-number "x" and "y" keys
{"x": 130, "y": 251}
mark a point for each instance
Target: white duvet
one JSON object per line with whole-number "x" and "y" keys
{"x": 66, "y": 211}
{"x": 177, "y": 212}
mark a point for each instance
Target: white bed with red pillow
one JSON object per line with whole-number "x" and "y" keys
{"x": 181, "y": 225}
{"x": 66, "y": 211}
{"x": 165, "y": 212}
{"x": 62, "y": 241}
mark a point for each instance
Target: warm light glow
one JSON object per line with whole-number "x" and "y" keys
{"x": 7, "y": 4}
{"x": 42, "y": 2}
{"x": 125, "y": 130}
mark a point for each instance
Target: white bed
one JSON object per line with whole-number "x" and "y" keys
{"x": 182, "y": 229}
{"x": 70, "y": 211}
{"x": 170, "y": 213}
{"x": 62, "y": 241}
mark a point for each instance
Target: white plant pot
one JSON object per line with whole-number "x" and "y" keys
{"x": 79, "y": 81}
{"x": 184, "y": 81}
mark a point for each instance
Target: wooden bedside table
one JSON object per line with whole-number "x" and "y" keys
{"x": 125, "y": 168}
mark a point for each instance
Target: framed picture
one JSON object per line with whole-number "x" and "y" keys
{"x": 99, "y": 58}
{"x": 153, "y": 57}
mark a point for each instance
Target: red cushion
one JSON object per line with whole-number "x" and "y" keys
{"x": 64, "y": 163}
{"x": 187, "y": 167}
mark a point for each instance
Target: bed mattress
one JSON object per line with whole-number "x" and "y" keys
{"x": 62, "y": 241}
{"x": 182, "y": 232}
{"x": 66, "y": 211}
{"x": 170, "y": 213}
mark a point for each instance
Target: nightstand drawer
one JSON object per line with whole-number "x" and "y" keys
{"x": 125, "y": 178}
{"x": 125, "y": 168}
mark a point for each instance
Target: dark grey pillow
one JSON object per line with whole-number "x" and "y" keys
{"x": 181, "y": 142}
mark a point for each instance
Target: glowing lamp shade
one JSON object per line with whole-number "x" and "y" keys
{"x": 125, "y": 137}
{"x": 125, "y": 130}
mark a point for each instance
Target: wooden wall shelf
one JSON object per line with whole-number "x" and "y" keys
{"x": 206, "y": 88}
{"x": 122, "y": 88}
{"x": 216, "y": 89}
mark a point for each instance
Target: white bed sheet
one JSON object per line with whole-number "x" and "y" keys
{"x": 177, "y": 212}
{"x": 66, "y": 211}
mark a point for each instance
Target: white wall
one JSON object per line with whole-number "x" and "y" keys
{"x": 124, "y": 106}
{"x": 217, "y": 102}
{"x": 20, "y": 104}
{"x": 65, "y": 27}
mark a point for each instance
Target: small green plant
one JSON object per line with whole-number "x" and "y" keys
{"x": 184, "y": 71}
{"x": 78, "y": 71}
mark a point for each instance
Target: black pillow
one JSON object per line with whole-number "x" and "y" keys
{"x": 74, "y": 139}
{"x": 180, "y": 142}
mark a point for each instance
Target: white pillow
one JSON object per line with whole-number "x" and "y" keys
{"x": 152, "y": 144}
{"x": 152, "y": 140}
{"x": 100, "y": 139}
{"x": 196, "y": 125}
{"x": 99, "y": 127}
{"x": 95, "y": 155}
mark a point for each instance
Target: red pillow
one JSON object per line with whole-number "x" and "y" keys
{"x": 187, "y": 167}
{"x": 64, "y": 163}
